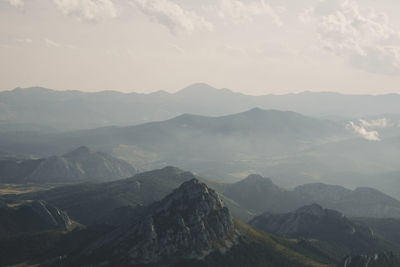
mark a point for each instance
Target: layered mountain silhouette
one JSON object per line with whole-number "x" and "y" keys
{"x": 77, "y": 110}
{"x": 81, "y": 164}
{"x": 291, "y": 148}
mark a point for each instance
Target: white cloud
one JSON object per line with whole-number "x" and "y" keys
{"x": 87, "y": 9}
{"x": 378, "y": 123}
{"x": 177, "y": 19}
{"x": 363, "y": 36}
{"x": 239, "y": 11}
{"x": 15, "y": 3}
{"x": 363, "y": 132}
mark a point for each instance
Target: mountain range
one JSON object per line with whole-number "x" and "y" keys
{"x": 291, "y": 148}
{"x": 41, "y": 109}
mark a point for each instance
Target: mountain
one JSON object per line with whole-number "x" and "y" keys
{"x": 361, "y": 202}
{"x": 258, "y": 194}
{"x": 189, "y": 223}
{"x": 254, "y": 193}
{"x": 71, "y": 110}
{"x": 189, "y": 227}
{"x": 28, "y": 217}
{"x": 374, "y": 260}
{"x": 81, "y": 164}
{"x": 324, "y": 229}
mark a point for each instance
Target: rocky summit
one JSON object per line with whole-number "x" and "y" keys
{"x": 190, "y": 223}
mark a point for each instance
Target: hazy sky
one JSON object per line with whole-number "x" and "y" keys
{"x": 251, "y": 46}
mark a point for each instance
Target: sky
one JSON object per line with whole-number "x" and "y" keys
{"x": 251, "y": 46}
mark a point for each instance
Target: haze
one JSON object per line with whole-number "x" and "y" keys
{"x": 253, "y": 47}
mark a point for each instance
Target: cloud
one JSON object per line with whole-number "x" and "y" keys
{"x": 363, "y": 132}
{"x": 363, "y": 36}
{"x": 378, "y": 123}
{"x": 16, "y": 3}
{"x": 87, "y": 9}
{"x": 177, "y": 19}
{"x": 238, "y": 11}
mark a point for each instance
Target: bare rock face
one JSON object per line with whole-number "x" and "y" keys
{"x": 190, "y": 223}
{"x": 383, "y": 259}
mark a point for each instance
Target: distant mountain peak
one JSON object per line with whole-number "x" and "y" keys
{"x": 200, "y": 89}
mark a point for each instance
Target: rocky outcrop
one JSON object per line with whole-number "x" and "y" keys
{"x": 82, "y": 164}
{"x": 31, "y": 217}
{"x": 375, "y": 260}
{"x": 190, "y": 223}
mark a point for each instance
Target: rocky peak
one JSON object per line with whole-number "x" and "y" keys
{"x": 189, "y": 223}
